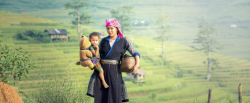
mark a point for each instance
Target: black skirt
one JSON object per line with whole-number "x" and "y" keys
{"x": 116, "y": 93}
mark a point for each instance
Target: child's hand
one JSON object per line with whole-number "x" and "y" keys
{"x": 96, "y": 46}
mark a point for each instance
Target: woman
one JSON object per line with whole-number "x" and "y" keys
{"x": 111, "y": 50}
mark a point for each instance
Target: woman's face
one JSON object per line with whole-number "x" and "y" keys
{"x": 112, "y": 31}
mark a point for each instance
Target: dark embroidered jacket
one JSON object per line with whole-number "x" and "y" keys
{"x": 118, "y": 49}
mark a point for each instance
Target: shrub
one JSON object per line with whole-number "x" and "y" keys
{"x": 33, "y": 36}
{"x": 14, "y": 63}
{"x": 153, "y": 96}
{"x": 73, "y": 39}
{"x": 222, "y": 85}
{"x": 61, "y": 91}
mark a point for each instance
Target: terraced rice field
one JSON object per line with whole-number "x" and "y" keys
{"x": 181, "y": 79}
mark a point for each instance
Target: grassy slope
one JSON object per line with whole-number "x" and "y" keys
{"x": 182, "y": 58}
{"x": 59, "y": 59}
{"x": 184, "y": 15}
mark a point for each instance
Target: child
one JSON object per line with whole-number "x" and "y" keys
{"x": 94, "y": 39}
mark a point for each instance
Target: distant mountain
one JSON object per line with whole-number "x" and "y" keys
{"x": 221, "y": 11}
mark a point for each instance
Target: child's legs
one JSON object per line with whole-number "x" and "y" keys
{"x": 101, "y": 74}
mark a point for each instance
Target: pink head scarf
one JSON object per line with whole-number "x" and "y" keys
{"x": 115, "y": 23}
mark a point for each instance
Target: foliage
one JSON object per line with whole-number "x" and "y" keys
{"x": 14, "y": 63}
{"x": 122, "y": 16}
{"x": 162, "y": 20}
{"x": 196, "y": 101}
{"x": 72, "y": 39}
{"x": 34, "y": 36}
{"x": 208, "y": 44}
{"x": 83, "y": 18}
{"x": 214, "y": 64}
{"x": 163, "y": 34}
{"x": 26, "y": 99}
{"x": 205, "y": 37}
{"x": 222, "y": 85}
{"x": 153, "y": 96}
{"x": 76, "y": 5}
{"x": 61, "y": 91}
{"x": 226, "y": 99}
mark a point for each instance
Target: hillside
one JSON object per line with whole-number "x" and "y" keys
{"x": 183, "y": 79}
{"x": 184, "y": 18}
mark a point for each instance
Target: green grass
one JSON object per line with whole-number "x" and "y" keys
{"x": 62, "y": 91}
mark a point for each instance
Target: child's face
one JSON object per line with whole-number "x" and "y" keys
{"x": 94, "y": 40}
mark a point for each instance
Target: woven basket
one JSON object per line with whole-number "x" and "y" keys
{"x": 127, "y": 64}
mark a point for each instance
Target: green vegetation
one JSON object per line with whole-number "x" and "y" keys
{"x": 14, "y": 63}
{"x": 121, "y": 14}
{"x": 1, "y": 36}
{"x": 33, "y": 36}
{"x": 61, "y": 91}
{"x": 182, "y": 79}
{"x": 184, "y": 17}
{"x": 82, "y": 18}
{"x": 58, "y": 91}
{"x": 205, "y": 38}
{"x": 163, "y": 34}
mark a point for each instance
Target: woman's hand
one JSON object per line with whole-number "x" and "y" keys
{"x": 135, "y": 69}
{"x": 137, "y": 65}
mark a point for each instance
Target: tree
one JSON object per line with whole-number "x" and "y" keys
{"x": 164, "y": 31}
{"x": 14, "y": 63}
{"x": 208, "y": 44}
{"x": 83, "y": 18}
{"x": 121, "y": 15}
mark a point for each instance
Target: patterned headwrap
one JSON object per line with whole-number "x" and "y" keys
{"x": 115, "y": 23}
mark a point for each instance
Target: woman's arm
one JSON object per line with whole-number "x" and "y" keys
{"x": 137, "y": 65}
{"x": 134, "y": 53}
{"x": 131, "y": 49}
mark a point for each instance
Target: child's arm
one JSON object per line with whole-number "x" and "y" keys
{"x": 95, "y": 52}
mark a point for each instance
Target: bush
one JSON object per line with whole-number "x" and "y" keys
{"x": 153, "y": 96}
{"x": 33, "y": 36}
{"x": 61, "y": 91}
{"x": 222, "y": 85}
{"x": 14, "y": 63}
{"x": 73, "y": 39}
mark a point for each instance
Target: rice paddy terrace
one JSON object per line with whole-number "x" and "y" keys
{"x": 182, "y": 78}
